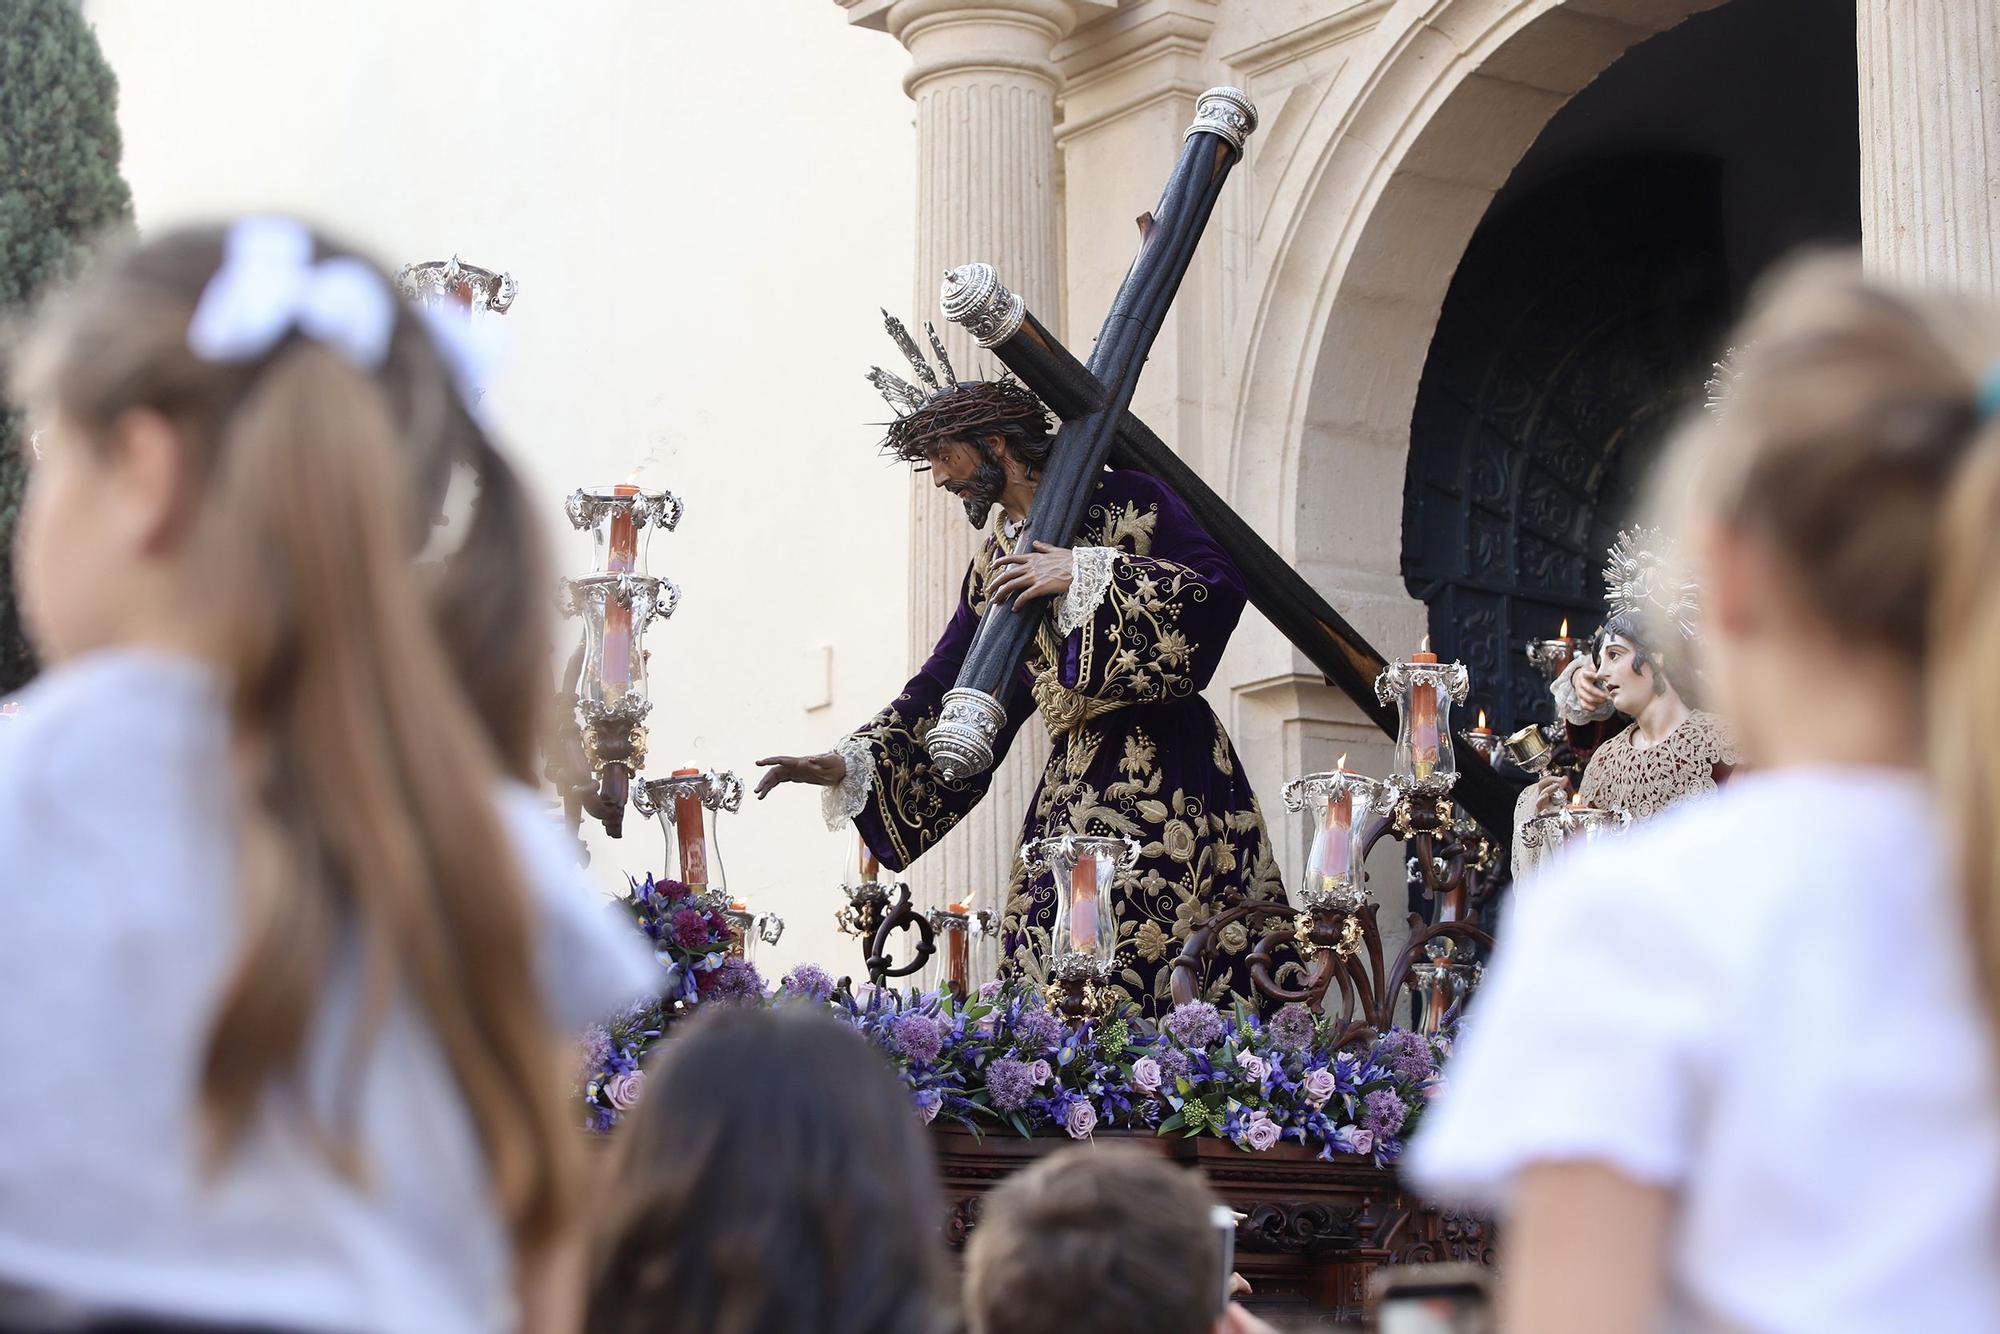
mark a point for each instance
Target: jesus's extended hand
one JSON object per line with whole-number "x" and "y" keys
{"x": 825, "y": 770}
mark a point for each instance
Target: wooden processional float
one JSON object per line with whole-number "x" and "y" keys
{"x": 1094, "y": 402}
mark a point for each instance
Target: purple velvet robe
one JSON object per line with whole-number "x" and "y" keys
{"x": 1136, "y": 750}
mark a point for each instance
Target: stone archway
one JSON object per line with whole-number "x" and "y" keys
{"x": 1386, "y": 182}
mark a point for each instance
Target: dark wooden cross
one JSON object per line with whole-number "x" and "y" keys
{"x": 1094, "y": 402}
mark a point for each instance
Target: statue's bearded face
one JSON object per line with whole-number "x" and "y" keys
{"x": 973, "y": 472}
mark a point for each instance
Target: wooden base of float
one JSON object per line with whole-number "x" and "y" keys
{"x": 1313, "y": 1231}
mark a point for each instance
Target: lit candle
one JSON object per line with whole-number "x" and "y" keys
{"x": 1329, "y": 859}
{"x": 1481, "y": 730}
{"x": 871, "y": 865}
{"x": 1083, "y": 904}
{"x": 623, "y": 558}
{"x": 690, "y": 832}
{"x": 1423, "y": 718}
{"x": 956, "y": 971}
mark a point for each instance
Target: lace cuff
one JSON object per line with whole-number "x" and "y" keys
{"x": 849, "y": 797}
{"x": 1564, "y": 691}
{"x": 1089, "y": 580}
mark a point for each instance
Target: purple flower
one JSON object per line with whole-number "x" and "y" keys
{"x": 1146, "y": 1075}
{"x": 1080, "y": 1119}
{"x": 1292, "y": 1028}
{"x": 1317, "y": 1085}
{"x": 917, "y": 1037}
{"x": 1382, "y": 1113}
{"x": 929, "y": 1102}
{"x": 1261, "y": 1132}
{"x": 1009, "y": 1083}
{"x": 1037, "y": 1029}
{"x": 735, "y": 980}
{"x": 1407, "y": 1054}
{"x": 690, "y": 929}
{"x": 594, "y": 1050}
{"x": 1041, "y": 1072}
{"x": 808, "y": 981}
{"x": 1174, "y": 1065}
{"x": 1254, "y": 1067}
{"x": 989, "y": 989}
{"x": 1195, "y": 1024}
{"x": 1354, "y": 1139}
{"x": 623, "y": 1090}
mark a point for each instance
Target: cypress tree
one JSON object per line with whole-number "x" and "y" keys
{"x": 59, "y": 188}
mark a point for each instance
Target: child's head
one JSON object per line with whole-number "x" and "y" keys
{"x": 1846, "y": 503}
{"x": 1096, "y": 1241}
{"x": 1815, "y": 497}
{"x": 243, "y": 436}
{"x": 777, "y": 1181}
{"x": 227, "y": 500}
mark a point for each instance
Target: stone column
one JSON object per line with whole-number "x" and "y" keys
{"x": 985, "y": 88}
{"x": 1930, "y": 141}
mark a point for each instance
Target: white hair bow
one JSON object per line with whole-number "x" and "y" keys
{"x": 268, "y": 285}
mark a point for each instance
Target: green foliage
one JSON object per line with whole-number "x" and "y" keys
{"x": 59, "y": 187}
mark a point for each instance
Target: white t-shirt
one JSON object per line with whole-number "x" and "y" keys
{"x": 118, "y": 921}
{"x": 1762, "y": 999}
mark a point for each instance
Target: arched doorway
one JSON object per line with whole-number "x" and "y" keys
{"x": 1589, "y": 305}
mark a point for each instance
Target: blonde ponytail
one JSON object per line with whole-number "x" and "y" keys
{"x": 1964, "y": 693}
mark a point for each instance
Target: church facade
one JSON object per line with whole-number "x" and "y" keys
{"x": 1477, "y": 257}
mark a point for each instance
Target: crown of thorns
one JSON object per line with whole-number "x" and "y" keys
{"x": 946, "y": 407}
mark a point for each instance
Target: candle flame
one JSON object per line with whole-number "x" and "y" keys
{"x": 1576, "y": 802}
{"x": 1564, "y": 632}
{"x": 1341, "y": 763}
{"x": 1482, "y": 717}
{"x": 963, "y": 908}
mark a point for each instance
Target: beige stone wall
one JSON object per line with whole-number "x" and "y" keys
{"x": 701, "y": 239}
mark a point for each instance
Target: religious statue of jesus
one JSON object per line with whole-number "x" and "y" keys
{"x": 1139, "y": 612}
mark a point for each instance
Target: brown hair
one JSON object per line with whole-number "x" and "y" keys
{"x": 1096, "y": 1241}
{"x": 1853, "y": 439}
{"x": 366, "y": 775}
{"x": 777, "y": 1181}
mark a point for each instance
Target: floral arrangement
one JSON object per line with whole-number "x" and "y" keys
{"x": 1002, "y": 1058}
{"x": 695, "y": 942}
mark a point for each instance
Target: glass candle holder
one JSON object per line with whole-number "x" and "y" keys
{"x": 1578, "y": 824}
{"x": 1083, "y": 941}
{"x": 621, "y": 521}
{"x": 452, "y": 283}
{"x": 1423, "y": 690}
{"x": 1342, "y": 806}
{"x": 616, "y": 610}
{"x": 1550, "y": 656}
{"x": 686, "y": 804}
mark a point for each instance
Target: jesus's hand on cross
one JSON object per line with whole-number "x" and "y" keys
{"x": 1043, "y": 572}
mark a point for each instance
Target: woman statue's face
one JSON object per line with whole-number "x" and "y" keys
{"x": 1625, "y": 676}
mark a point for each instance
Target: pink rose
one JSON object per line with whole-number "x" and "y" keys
{"x": 1253, "y": 1066}
{"x": 1360, "y": 1140}
{"x": 1262, "y": 1132}
{"x": 1080, "y": 1119}
{"x": 1317, "y": 1086}
{"x": 1146, "y": 1075}
{"x": 1041, "y": 1072}
{"x": 624, "y": 1090}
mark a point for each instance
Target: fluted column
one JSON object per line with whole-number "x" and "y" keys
{"x": 1930, "y": 141}
{"x": 985, "y": 90}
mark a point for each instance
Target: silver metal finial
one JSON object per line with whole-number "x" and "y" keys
{"x": 973, "y": 298}
{"x": 961, "y": 741}
{"x": 1226, "y": 113}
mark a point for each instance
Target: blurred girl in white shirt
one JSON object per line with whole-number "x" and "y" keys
{"x": 286, "y": 944}
{"x": 1735, "y": 1071}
